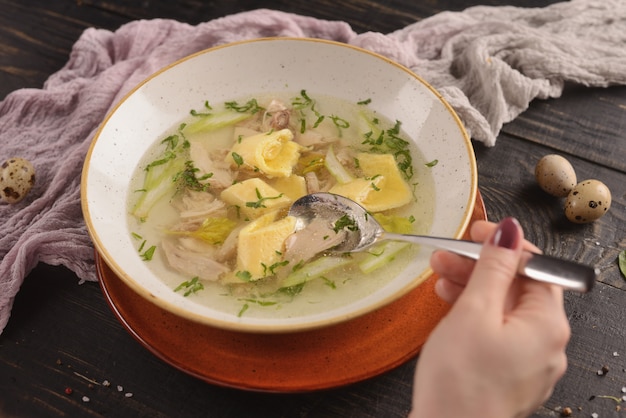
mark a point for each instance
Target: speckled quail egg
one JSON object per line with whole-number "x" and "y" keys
{"x": 17, "y": 177}
{"x": 555, "y": 175}
{"x": 588, "y": 201}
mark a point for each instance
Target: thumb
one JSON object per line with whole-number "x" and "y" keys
{"x": 496, "y": 268}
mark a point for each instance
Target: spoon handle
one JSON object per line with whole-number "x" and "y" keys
{"x": 544, "y": 268}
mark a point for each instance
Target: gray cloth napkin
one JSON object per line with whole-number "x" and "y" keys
{"x": 488, "y": 62}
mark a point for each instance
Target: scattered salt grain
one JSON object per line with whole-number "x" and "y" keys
{"x": 106, "y": 383}
{"x": 624, "y": 389}
{"x": 594, "y": 415}
{"x": 119, "y": 388}
{"x": 615, "y": 354}
{"x": 128, "y": 394}
{"x": 86, "y": 399}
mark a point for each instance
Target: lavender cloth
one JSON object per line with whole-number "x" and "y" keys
{"x": 488, "y": 62}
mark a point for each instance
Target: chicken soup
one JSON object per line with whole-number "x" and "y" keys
{"x": 210, "y": 200}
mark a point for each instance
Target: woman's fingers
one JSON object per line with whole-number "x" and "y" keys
{"x": 496, "y": 268}
{"x": 453, "y": 267}
{"x": 454, "y": 270}
{"x": 448, "y": 290}
{"x": 481, "y": 230}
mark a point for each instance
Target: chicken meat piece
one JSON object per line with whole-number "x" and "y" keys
{"x": 192, "y": 263}
{"x": 195, "y": 207}
{"x": 212, "y": 162}
{"x": 315, "y": 238}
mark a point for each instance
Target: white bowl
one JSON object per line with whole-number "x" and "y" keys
{"x": 243, "y": 69}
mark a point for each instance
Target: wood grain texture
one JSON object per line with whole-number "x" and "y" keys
{"x": 585, "y": 122}
{"x": 506, "y": 180}
{"x": 62, "y": 334}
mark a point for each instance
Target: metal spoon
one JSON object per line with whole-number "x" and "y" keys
{"x": 366, "y": 231}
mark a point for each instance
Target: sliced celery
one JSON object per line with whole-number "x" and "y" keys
{"x": 158, "y": 183}
{"x": 368, "y": 127}
{"x": 215, "y": 121}
{"x": 314, "y": 270}
{"x": 381, "y": 255}
{"x": 335, "y": 168}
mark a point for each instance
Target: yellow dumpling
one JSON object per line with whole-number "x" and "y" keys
{"x": 261, "y": 244}
{"x": 358, "y": 189}
{"x": 273, "y": 153}
{"x": 294, "y": 186}
{"x": 381, "y": 187}
{"x": 254, "y": 197}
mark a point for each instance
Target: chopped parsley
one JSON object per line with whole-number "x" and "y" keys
{"x": 340, "y": 122}
{"x": 251, "y": 106}
{"x": 243, "y": 309}
{"x": 167, "y": 156}
{"x": 237, "y": 158}
{"x": 149, "y": 253}
{"x": 292, "y": 291}
{"x": 207, "y": 106}
{"x": 260, "y": 302}
{"x": 345, "y": 222}
{"x": 260, "y": 203}
{"x": 302, "y": 103}
{"x": 244, "y": 275}
{"x": 298, "y": 266}
{"x": 187, "y": 178}
{"x": 190, "y": 286}
{"x": 383, "y": 141}
{"x": 271, "y": 270}
{"x": 246, "y": 305}
{"x": 328, "y": 282}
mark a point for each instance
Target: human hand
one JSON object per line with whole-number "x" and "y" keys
{"x": 454, "y": 270}
{"x": 501, "y": 348}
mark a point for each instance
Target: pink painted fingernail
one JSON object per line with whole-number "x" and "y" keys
{"x": 507, "y": 235}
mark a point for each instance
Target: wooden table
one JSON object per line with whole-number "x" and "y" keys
{"x": 62, "y": 335}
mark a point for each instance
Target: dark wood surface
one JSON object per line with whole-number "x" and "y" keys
{"x": 62, "y": 334}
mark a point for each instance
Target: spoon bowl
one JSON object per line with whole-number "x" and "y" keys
{"x": 361, "y": 231}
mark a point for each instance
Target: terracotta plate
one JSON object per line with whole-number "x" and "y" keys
{"x": 296, "y": 362}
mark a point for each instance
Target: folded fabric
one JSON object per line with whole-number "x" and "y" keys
{"x": 489, "y": 63}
